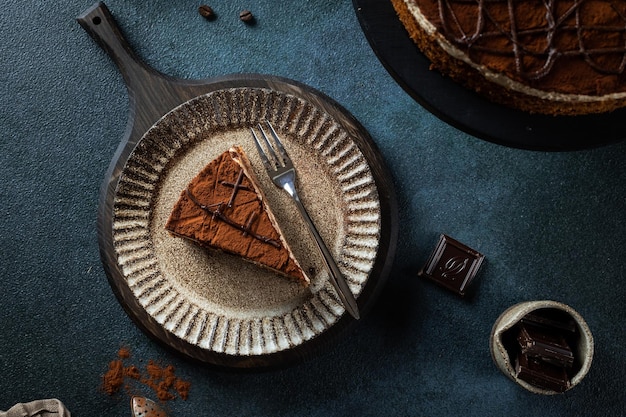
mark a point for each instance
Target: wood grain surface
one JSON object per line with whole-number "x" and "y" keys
{"x": 152, "y": 95}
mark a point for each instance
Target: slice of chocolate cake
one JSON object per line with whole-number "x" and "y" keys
{"x": 224, "y": 208}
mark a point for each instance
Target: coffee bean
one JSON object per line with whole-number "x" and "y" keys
{"x": 206, "y": 12}
{"x": 246, "y": 16}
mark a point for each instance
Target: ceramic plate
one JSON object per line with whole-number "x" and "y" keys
{"x": 220, "y": 303}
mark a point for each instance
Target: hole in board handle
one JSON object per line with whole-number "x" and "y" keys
{"x": 96, "y": 20}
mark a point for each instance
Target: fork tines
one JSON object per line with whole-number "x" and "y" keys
{"x": 274, "y": 161}
{"x": 283, "y": 175}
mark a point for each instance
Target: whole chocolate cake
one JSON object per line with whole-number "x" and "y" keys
{"x": 560, "y": 57}
{"x": 223, "y": 208}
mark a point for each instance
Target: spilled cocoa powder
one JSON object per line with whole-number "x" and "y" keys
{"x": 161, "y": 379}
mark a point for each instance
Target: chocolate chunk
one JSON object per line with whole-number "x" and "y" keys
{"x": 541, "y": 374}
{"x": 452, "y": 265}
{"x": 547, "y": 346}
{"x": 551, "y": 319}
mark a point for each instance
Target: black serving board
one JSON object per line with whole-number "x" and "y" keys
{"x": 468, "y": 111}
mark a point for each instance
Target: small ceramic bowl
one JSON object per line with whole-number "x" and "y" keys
{"x": 583, "y": 349}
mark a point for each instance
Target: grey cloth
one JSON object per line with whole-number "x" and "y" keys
{"x": 40, "y": 408}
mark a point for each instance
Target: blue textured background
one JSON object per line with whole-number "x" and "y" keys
{"x": 551, "y": 225}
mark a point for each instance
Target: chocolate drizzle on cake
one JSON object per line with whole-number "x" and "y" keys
{"x": 224, "y": 208}
{"x": 536, "y": 39}
{"x": 558, "y": 57}
{"x": 236, "y": 187}
{"x": 219, "y": 214}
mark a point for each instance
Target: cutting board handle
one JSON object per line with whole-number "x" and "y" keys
{"x": 100, "y": 24}
{"x": 151, "y": 93}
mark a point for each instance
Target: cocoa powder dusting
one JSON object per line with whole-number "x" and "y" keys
{"x": 132, "y": 372}
{"x": 165, "y": 383}
{"x": 161, "y": 379}
{"x": 123, "y": 353}
{"x": 113, "y": 379}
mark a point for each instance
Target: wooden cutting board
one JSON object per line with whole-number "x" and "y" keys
{"x": 154, "y": 95}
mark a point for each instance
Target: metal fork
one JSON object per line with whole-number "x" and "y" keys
{"x": 280, "y": 169}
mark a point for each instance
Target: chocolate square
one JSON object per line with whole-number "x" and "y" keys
{"x": 452, "y": 265}
{"x": 541, "y": 374}
{"x": 548, "y": 346}
{"x": 550, "y": 319}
